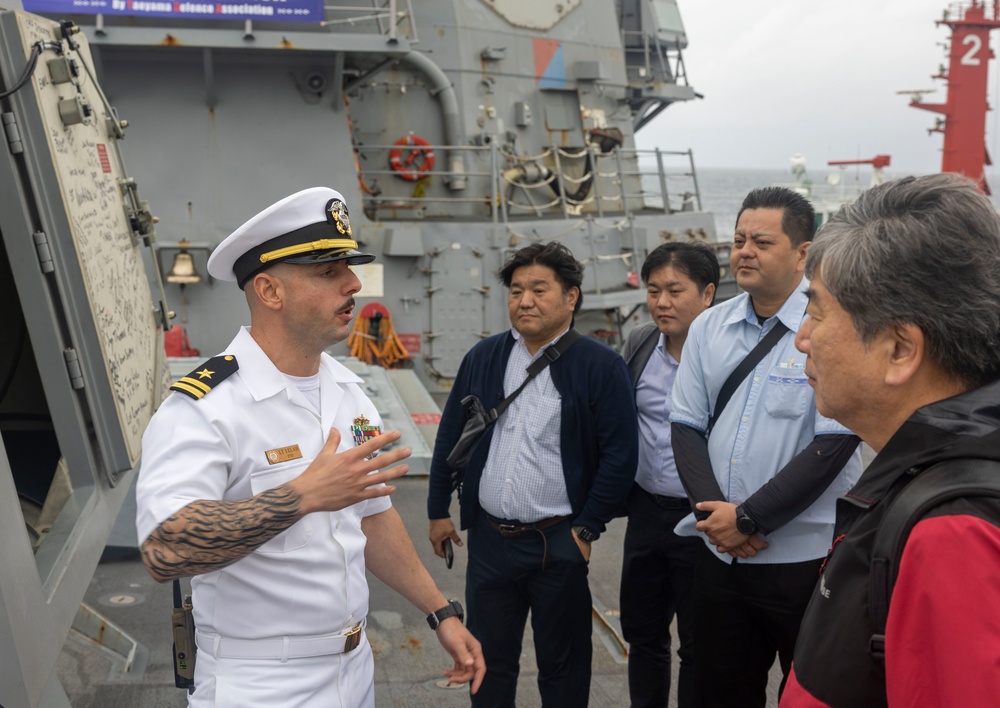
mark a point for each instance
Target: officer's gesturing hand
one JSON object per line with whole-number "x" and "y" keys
{"x": 209, "y": 534}
{"x": 336, "y": 480}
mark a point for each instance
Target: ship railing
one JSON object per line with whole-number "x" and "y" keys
{"x": 955, "y": 11}
{"x": 503, "y": 186}
{"x": 651, "y": 59}
{"x": 624, "y": 180}
{"x": 383, "y": 187}
{"x": 388, "y": 17}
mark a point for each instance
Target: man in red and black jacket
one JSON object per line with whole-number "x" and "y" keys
{"x": 903, "y": 345}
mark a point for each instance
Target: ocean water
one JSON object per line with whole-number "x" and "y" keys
{"x": 723, "y": 189}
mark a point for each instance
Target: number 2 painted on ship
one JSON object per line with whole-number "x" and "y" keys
{"x": 970, "y": 58}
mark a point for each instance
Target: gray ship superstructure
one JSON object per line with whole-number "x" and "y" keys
{"x": 456, "y": 129}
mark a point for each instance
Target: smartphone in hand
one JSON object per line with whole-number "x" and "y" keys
{"x": 449, "y": 553}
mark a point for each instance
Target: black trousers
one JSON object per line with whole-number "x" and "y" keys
{"x": 505, "y": 580}
{"x": 744, "y": 614}
{"x": 657, "y": 574}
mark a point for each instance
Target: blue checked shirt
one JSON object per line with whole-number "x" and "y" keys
{"x": 657, "y": 472}
{"x": 771, "y": 417}
{"x": 523, "y": 477}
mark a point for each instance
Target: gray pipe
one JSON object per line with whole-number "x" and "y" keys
{"x": 445, "y": 93}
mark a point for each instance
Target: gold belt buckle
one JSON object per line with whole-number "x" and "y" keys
{"x": 352, "y": 639}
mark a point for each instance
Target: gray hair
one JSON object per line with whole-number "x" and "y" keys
{"x": 922, "y": 251}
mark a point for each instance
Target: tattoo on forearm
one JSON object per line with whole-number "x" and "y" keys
{"x": 209, "y": 535}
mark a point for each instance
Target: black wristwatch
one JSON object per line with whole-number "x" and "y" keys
{"x": 586, "y": 535}
{"x": 744, "y": 524}
{"x": 452, "y": 609}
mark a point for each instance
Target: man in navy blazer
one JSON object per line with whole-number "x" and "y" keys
{"x": 542, "y": 482}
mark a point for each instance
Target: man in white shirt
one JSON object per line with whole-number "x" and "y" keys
{"x": 262, "y": 478}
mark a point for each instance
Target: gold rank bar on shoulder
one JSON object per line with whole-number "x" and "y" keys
{"x": 203, "y": 379}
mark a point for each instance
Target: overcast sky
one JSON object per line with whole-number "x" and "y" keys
{"x": 817, "y": 77}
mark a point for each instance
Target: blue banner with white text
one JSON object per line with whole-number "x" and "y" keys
{"x": 272, "y": 10}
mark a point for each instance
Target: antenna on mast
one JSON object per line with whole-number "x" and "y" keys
{"x": 964, "y": 110}
{"x": 916, "y": 95}
{"x": 878, "y": 163}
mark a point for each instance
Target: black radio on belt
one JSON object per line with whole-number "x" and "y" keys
{"x": 182, "y": 624}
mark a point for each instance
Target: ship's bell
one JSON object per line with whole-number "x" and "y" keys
{"x": 183, "y": 270}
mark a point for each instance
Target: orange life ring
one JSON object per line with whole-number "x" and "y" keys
{"x": 403, "y": 166}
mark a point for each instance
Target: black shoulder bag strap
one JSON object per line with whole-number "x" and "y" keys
{"x": 478, "y": 419}
{"x": 745, "y": 367}
{"x": 970, "y": 477}
{"x": 639, "y": 356}
{"x": 548, "y": 356}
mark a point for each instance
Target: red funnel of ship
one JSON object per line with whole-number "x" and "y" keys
{"x": 964, "y": 123}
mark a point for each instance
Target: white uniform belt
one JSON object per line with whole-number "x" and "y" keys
{"x": 281, "y": 648}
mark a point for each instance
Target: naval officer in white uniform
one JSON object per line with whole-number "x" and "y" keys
{"x": 261, "y": 477}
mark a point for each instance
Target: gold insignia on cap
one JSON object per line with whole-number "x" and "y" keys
{"x": 336, "y": 214}
{"x": 283, "y": 454}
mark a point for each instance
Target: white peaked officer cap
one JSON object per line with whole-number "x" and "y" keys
{"x": 311, "y": 226}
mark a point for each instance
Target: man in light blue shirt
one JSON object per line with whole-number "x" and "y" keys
{"x": 657, "y": 564}
{"x": 766, "y": 469}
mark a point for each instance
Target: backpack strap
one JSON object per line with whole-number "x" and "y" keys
{"x": 967, "y": 477}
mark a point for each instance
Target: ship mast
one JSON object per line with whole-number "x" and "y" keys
{"x": 964, "y": 111}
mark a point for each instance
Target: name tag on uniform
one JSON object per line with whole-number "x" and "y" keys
{"x": 283, "y": 454}
{"x": 790, "y": 372}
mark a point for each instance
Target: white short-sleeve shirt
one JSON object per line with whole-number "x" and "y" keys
{"x": 307, "y": 580}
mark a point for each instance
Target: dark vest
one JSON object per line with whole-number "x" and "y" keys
{"x": 833, "y": 661}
